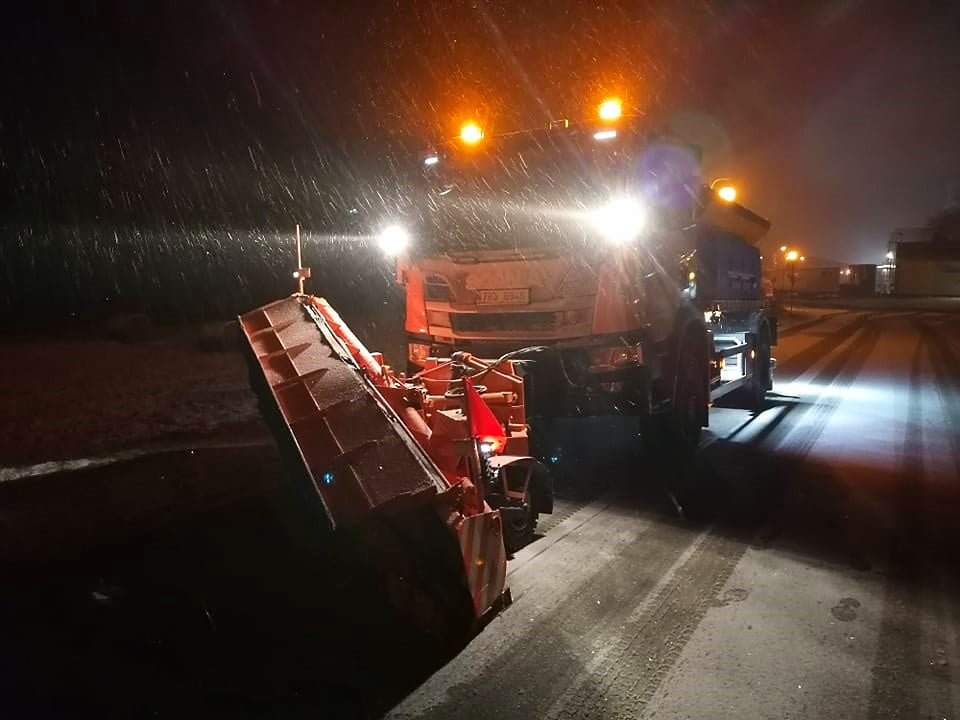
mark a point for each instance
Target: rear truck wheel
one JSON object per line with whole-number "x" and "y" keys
{"x": 753, "y": 396}
{"x": 689, "y": 399}
{"x": 688, "y": 408}
{"x": 762, "y": 377}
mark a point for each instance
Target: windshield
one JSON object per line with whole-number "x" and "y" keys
{"x": 536, "y": 166}
{"x": 533, "y": 189}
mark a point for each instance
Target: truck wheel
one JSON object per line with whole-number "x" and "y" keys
{"x": 689, "y": 401}
{"x": 754, "y": 396}
{"x": 762, "y": 380}
{"x": 519, "y": 528}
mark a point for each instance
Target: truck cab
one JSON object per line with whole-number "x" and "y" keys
{"x": 599, "y": 249}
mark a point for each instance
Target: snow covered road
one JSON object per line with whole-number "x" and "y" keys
{"x": 812, "y": 574}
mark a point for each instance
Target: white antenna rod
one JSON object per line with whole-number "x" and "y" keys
{"x": 301, "y": 273}
{"x": 299, "y": 263}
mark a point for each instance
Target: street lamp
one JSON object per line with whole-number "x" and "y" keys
{"x": 791, "y": 256}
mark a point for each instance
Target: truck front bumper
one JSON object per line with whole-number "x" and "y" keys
{"x": 559, "y": 381}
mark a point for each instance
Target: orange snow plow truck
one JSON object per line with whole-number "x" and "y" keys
{"x": 599, "y": 250}
{"x": 428, "y": 478}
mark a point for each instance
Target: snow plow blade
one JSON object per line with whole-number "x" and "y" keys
{"x": 357, "y": 455}
{"x": 386, "y": 468}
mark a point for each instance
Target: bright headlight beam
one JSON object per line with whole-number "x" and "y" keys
{"x": 605, "y": 135}
{"x": 393, "y": 239}
{"x": 620, "y": 221}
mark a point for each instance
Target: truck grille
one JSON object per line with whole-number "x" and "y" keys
{"x": 504, "y": 322}
{"x": 436, "y": 288}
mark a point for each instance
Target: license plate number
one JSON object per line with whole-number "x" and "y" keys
{"x": 517, "y": 296}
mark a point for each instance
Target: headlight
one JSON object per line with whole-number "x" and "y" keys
{"x": 620, "y": 221}
{"x": 393, "y": 239}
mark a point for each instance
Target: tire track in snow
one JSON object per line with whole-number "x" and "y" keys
{"x": 894, "y": 692}
{"x": 807, "y": 324}
{"x": 796, "y": 365}
{"x": 840, "y": 373}
{"x": 944, "y": 514}
{"x": 631, "y": 666}
{"x": 635, "y": 658}
{"x": 549, "y": 656}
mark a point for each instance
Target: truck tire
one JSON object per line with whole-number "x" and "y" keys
{"x": 753, "y": 396}
{"x": 689, "y": 405}
{"x": 518, "y": 532}
{"x": 762, "y": 380}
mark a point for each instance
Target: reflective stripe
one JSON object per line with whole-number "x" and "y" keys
{"x": 484, "y": 558}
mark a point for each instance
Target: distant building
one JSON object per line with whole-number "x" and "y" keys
{"x": 926, "y": 268}
{"x": 805, "y": 281}
{"x": 900, "y": 236}
{"x": 909, "y": 235}
{"x": 858, "y": 280}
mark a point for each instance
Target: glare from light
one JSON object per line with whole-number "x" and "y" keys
{"x": 471, "y": 133}
{"x": 605, "y": 135}
{"x": 393, "y": 239}
{"x": 890, "y": 255}
{"x": 620, "y": 221}
{"x": 610, "y": 109}
{"x": 727, "y": 193}
{"x": 489, "y": 445}
{"x": 431, "y": 160}
{"x": 783, "y": 248}
{"x": 792, "y": 256}
{"x": 810, "y": 392}
{"x": 802, "y": 258}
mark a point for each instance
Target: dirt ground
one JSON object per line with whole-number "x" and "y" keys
{"x": 79, "y": 398}
{"x": 146, "y": 557}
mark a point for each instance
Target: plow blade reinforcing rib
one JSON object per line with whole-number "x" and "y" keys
{"x": 358, "y": 457}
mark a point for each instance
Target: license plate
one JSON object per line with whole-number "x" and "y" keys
{"x": 517, "y": 296}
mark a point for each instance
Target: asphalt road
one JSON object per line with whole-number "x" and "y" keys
{"x": 807, "y": 564}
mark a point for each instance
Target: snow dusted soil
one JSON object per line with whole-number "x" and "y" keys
{"x": 147, "y": 555}
{"x": 77, "y": 398}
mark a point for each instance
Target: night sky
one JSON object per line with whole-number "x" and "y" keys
{"x": 840, "y": 120}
